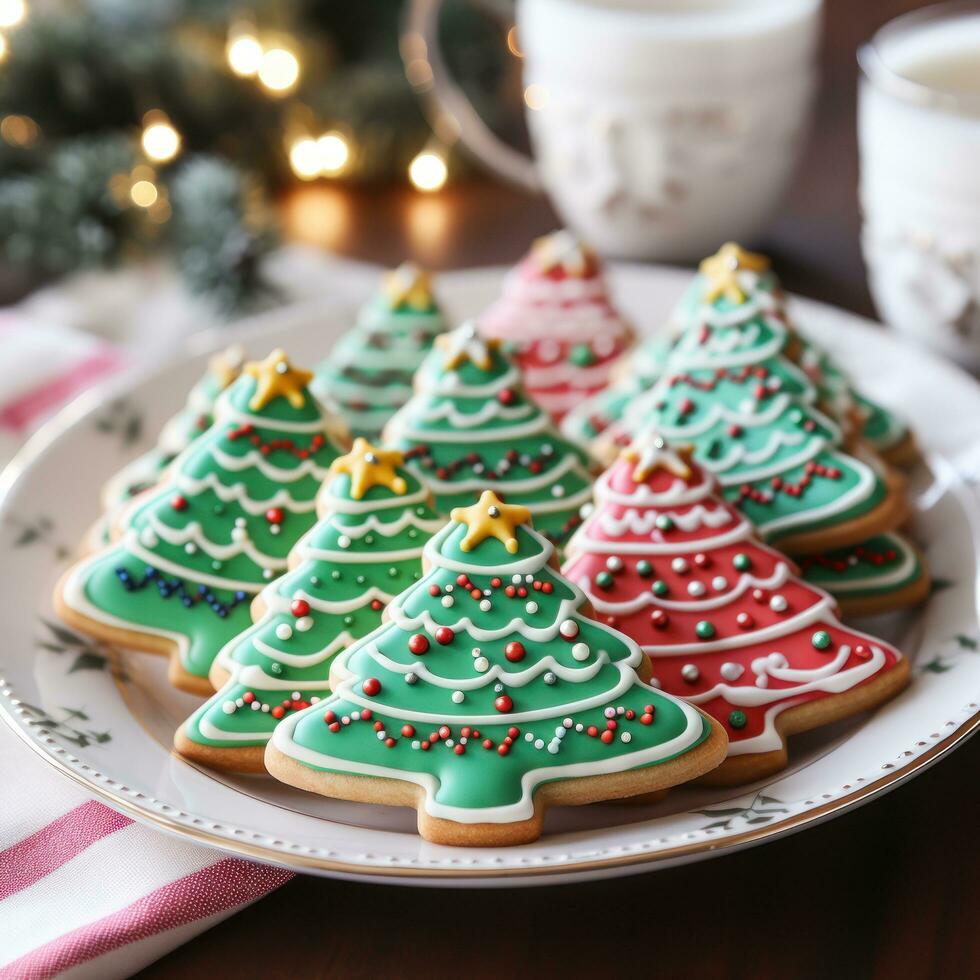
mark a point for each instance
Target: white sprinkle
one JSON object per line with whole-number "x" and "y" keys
{"x": 626, "y": 737}
{"x": 447, "y": 601}
{"x": 516, "y": 580}
{"x": 532, "y": 608}
{"x": 448, "y": 588}
{"x": 240, "y": 522}
{"x": 719, "y": 583}
{"x": 581, "y": 651}
{"x": 498, "y": 688}
{"x": 256, "y": 706}
{"x": 529, "y": 737}
{"x": 268, "y": 573}
{"x": 411, "y": 678}
{"x": 696, "y": 588}
{"x": 557, "y": 490}
{"x": 304, "y": 623}
{"x": 457, "y": 697}
{"x": 416, "y": 744}
{"x": 239, "y": 534}
{"x": 284, "y": 631}
{"x": 580, "y": 727}
{"x": 228, "y": 707}
{"x": 539, "y": 743}
{"x": 731, "y": 671}
{"x": 355, "y": 715}
{"x": 567, "y": 722}
{"x": 295, "y": 695}
{"x": 240, "y": 702}
{"x": 485, "y": 605}
{"x": 614, "y": 564}
{"x": 680, "y": 565}
{"x": 481, "y": 664}
{"x": 275, "y": 528}
{"x": 610, "y": 712}
{"x": 778, "y": 603}
{"x": 568, "y": 629}
{"x": 553, "y": 747}
{"x": 267, "y": 707}
{"x": 549, "y": 678}
{"x": 190, "y": 548}
{"x": 690, "y": 673}
{"x": 148, "y": 537}
{"x": 343, "y": 541}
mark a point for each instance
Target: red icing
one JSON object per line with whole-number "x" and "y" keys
{"x": 547, "y": 311}
{"x": 791, "y": 610}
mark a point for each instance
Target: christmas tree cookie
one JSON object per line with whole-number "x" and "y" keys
{"x": 181, "y": 430}
{"x": 732, "y": 390}
{"x": 365, "y": 549}
{"x": 368, "y": 375}
{"x": 193, "y": 552}
{"x": 471, "y": 426}
{"x": 489, "y": 694}
{"x": 725, "y": 620}
{"x": 556, "y": 316}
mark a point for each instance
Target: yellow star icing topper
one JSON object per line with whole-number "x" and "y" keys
{"x": 489, "y": 517}
{"x": 408, "y": 285}
{"x": 465, "y": 344}
{"x": 562, "y": 250}
{"x": 276, "y": 377}
{"x": 369, "y": 467}
{"x": 722, "y": 269}
{"x": 226, "y": 365}
{"x": 650, "y": 453}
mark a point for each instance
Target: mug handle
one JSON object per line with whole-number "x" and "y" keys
{"x": 445, "y": 103}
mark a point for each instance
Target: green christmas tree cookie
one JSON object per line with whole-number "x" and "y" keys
{"x": 193, "y": 420}
{"x": 489, "y": 694}
{"x": 193, "y": 553}
{"x": 471, "y": 426}
{"x": 365, "y": 549}
{"x": 731, "y": 389}
{"x": 368, "y": 375}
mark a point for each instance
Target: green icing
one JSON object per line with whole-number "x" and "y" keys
{"x": 368, "y": 375}
{"x": 188, "y": 586}
{"x": 878, "y": 566}
{"x": 346, "y": 586}
{"x": 463, "y": 439}
{"x": 882, "y": 429}
{"x": 729, "y": 390}
{"x": 458, "y": 684}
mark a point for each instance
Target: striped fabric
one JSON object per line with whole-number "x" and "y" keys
{"x": 84, "y": 891}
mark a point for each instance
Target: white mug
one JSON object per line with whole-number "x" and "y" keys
{"x": 660, "y": 127}
{"x": 919, "y": 133}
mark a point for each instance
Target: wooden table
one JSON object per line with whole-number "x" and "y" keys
{"x": 892, "y": 889}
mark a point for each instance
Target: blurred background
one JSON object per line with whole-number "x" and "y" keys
{"x": 209, "y": 131}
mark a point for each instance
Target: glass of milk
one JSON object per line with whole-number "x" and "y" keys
{"x": 919, "y": 134}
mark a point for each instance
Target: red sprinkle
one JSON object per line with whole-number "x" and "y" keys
{"x": 459, "y": 749}
{"x": 408, "y": 731}
{"x": 371, "y": 687}
{"x": 248, "y": 697}
{"x": 418, "y": 643}
{"x": 514, "y": 651}
{"x": 607, "y": 737}
{"x": 503, "y": 749}
{"x": 444, "y": 635}
{"x": 178, "y": 503}
{"x": 504, "y": 703}
{"x": 278, "y": 711}
{"x": 275, "y": 515}
{"x": 299, "y": 607}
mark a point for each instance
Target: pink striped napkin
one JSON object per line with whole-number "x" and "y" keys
{"x": 84, "y": 891}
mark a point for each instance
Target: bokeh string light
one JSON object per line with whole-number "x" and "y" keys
{"x": 428, "y": 170}
{"x": 160, "y": 140}
{"x": 12, "y": 12}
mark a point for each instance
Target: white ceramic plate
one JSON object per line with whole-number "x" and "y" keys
{"x": 106, "y": 719}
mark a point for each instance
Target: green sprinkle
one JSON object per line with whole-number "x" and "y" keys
{"x": 742, "y": 562}
{"x": 643, "y": 568}
{"x": 705, "y": 630}
{"x": 581, "y": 355}
{"x": 393, "y": 572}
{"x": 664, "y": 523}
{"x": 821, "y": 639}
{"x": 737, "y": 719}
{"x": 604, "y": 580}
{"x": 276, "y": 668}
{"x": 660, "y": 587}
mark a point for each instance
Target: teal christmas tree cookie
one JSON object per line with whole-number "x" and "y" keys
{"x": 215, "y": 531}
{"x": 365, "y": 549}
{"x": 368, "y": 375}
{"x": 490, "y": 693}
{"x": 193, "y": 420}
{"x": 731, "y": 390}
{"x": 471, "y": 426}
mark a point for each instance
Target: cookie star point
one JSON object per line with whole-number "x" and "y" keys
{"x": 465, "y": 344}
{"x": 275, "y": 377}
{"x": 652, "y": 453}
{"x": 226, "y": 365}
{"x": 409, "y": 285}
{"x": 562, "y": 250}
{"x": 722, "y": 271}
{"x": 369, "y": 466}
{"x": 490, "y": 517}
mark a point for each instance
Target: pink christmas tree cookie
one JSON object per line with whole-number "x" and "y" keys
{"x": 725, "y": 620}
{"x": 556, "y": 315}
